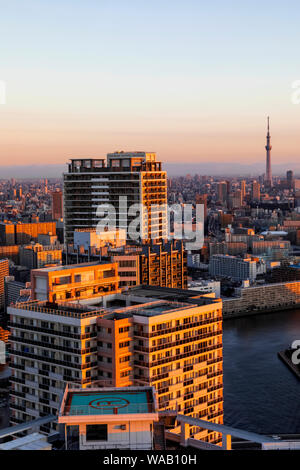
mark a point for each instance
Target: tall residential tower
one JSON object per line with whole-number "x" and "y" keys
{"x": 134, "y": 176}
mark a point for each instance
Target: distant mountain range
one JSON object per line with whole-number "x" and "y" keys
{"x": 173, "y": 169}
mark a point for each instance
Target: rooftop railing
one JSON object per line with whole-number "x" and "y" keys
{"x": 67, "y": 309}
{"x": 113, "y": 409}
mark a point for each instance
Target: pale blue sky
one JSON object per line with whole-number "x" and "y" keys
{"x": 189, "y": 79}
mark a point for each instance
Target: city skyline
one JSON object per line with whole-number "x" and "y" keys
{"x": 119, "y": 85}
{"x": 149, "y": 228}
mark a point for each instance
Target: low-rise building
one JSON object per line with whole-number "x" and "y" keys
{"x": 110, "y": 418}
{"x": 267, "y": 297}
{"x": 16, "y": 291}
{"x": 74, "y": 282}
{"x": 91, "y": 238}
{"x": 206, "y": 286}
{"x": 237, "y": 269}
{"x": 38, "y": 256}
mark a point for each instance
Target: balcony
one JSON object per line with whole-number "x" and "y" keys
{"x": 166, "y": 360}
{"x": 171, "y": 344}
{"x": 215, "y": 415}
{"x": 178, "y": 328}
{"x": 215, "y": 387}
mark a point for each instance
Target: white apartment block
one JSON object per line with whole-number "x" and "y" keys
{"x": 206, "y": 286}
{"x": 237, "y": 269}
{"x": 50, "y": 345}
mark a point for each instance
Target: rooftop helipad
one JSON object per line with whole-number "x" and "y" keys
{"x": 113, "y": 401}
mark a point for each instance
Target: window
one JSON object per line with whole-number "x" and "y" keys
{"x": 126, "y": 373}
{"x": 124, "y": 359}
{"x": 120, "y": 426}
{"x": 124, "y": 329}
{"x": 96, "y": 432}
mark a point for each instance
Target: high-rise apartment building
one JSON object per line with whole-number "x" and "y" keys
{"x": 51, "y": 345}
{"x": 222, "y": 191}
{"x": 202, "y": 199}
{"x": 136, "y": 177}
{"x": 57, "y": 204}
{"x": 174, "y": 346}
{"x": 235, "y": 199}
{"x": 4, "y": 271}
{"x": 164, "y": 265}
{"x": 243, "y": 189}
{"x": 256, "y": 191}
{"x": 167, "y": 338}
{"x": 161, "y": 264}
{"x": 290, "y": 179}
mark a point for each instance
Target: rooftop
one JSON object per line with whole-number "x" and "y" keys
{"x": 158, "y": 308}
{"x": 73, "y": 266}
{"x": 64, "y": 309}
{"x": 107, "y": 401}
{"x": 170, "y": 294}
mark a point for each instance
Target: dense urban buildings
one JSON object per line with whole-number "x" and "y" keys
{"x": 105, "y": 310}
{"x": 21, "y": 233}
{"x": 162, "y": 263}
{"x": 149, "y": 230}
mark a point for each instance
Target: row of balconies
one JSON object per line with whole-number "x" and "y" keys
{"x": 52, "y": 347}
{"x": 49, "y": 360}
{"x": 176, "y": 358}
{"x": 178, "y": 328}
{"x": 177, "y": 343}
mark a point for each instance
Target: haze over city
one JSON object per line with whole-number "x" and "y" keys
{"x": 192, "y": 82}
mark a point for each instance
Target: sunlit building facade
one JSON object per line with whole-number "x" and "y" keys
{"x": 51, "y": 345}
{"x": 135, "y": 176}
{"x": 74, "y": 282}
{"x": 173, "y": 345}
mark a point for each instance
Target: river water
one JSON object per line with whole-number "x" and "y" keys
{"x": 260, "y": 393}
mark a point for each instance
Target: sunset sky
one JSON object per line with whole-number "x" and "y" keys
{"x": 192, "y": 80}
